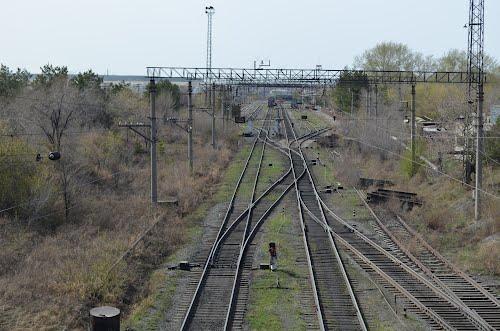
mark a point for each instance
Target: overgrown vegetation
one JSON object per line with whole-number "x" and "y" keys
{"x": 347, "y": 93}
{"x": 378, "y": 147}
{"x": 65, "y": 224}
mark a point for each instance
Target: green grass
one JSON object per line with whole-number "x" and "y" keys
{"x": 226, "y": 187}
{"x": 270, "y": 174}
{"x": 273, "y": 308}
{"x": 324, "y": 174}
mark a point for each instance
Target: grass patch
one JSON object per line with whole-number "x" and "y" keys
{"x": 269, "y": 174}
{"x": 273, "y": 308}
{"x": 226, "y": 187}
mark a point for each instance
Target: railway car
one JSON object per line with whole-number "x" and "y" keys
{"x": 271, "y": 102}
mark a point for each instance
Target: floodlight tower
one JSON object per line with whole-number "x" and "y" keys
{"x": 210, "y": 11}
{"x": 475, "y": 71}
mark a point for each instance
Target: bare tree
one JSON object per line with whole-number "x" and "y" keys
{"x": 59, "y": 108}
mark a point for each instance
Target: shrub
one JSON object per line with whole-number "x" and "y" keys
{"x": 20, "y": 175}
{"x": 489, "y": 255}
{"x": 408, "y": 167}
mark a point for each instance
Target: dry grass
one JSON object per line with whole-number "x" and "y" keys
{"x": 447, "y": 218}
{"x": 489, "y": 255}
{"x": 49, "y": 279}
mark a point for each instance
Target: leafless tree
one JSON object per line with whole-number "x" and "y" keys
{"x": 60, "y": 110}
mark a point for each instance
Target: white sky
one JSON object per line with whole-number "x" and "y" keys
{"x": 124, "y": 36}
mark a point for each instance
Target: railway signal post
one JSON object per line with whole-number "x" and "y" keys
{"x": 273, "y": 257}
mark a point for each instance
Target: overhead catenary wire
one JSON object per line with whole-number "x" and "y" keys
{"x": 48, "y": 101}
{"x": 439, "y": 136}
{"x": 421, "y": 164}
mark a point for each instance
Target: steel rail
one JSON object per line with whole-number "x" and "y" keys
{"x": 425, "y": 269}
{"x": 385, "y": 276}
{"x": 438, "y": 291}
{"x": 450, "y": 265}
{"x": 332, "y": 242}
{"x": 244, "y": 237}
{"x": 452, "y": 299}
{"x": 251, "y": 206}
{"x": 222, "y": 236}
{"x": 213, "y": 248}
{"x": 242, "y": 255}
{"x": 304, "y": 240}
{"x": 472, "y": 316}
{"x": 248, "y": 239}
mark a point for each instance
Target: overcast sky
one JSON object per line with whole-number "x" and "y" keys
{"x": 125, "y": 36}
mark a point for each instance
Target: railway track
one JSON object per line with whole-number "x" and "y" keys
{"x": 393, "y": 231}
{"x": 337, "y": 307}
{"x": 420, "y": 294}
{"x": 443, "y": 310}
{"x": 220, "y": 298}
{"x": 447, "y": 299}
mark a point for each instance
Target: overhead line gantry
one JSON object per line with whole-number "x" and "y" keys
{"x": 301, "y": 77}
{"x": 317, "y": 77}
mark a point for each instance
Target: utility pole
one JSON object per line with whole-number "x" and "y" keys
{"x": 190, "y": 127}
{"x": 367, "y": 100}
{"x": 222, "y": 106}
{"x": 154, "y": 176}
{"x": 213, "y": 116}
{"x": 370, "y": 99}
{"x": 152, "y": 139}
{"x": 413, "y": 128}
{"x": 352, "y": 101}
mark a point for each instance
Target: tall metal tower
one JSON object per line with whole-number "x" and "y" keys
{"x": 475, "y": 70}
{"x": 210, "y": 11}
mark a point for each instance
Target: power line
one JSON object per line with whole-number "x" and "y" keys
{"x": 489, "y": 157}
{"x": 422, "y": 164}
{"x": 26, "y": 134}
{"x": 45, "y": 101}
{"x": 439, "y": 136}
{"x": 81, "y": 185}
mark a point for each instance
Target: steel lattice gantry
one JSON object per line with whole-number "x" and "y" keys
{"x": 303, "y": 77}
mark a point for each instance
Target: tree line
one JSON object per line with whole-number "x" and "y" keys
{"x": 57, "y": 111}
